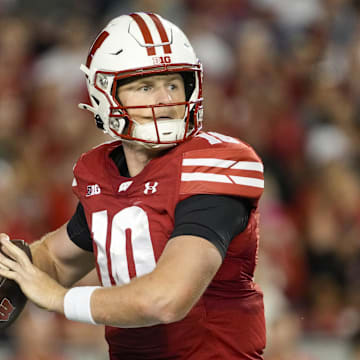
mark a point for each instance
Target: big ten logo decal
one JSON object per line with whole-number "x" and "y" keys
{"x": 161, "y": 60}
{"x": 6, "y": 309}
{"x": 93, "y": 190}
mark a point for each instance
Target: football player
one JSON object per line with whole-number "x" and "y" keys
{"x": 167, "y": 214}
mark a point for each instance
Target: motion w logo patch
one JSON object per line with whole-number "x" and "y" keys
{"x": 6, "y": 309}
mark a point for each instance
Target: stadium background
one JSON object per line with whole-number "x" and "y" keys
{"x": 282, "y": 75}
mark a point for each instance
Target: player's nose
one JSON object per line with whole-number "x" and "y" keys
{"x": 163, "y": 95}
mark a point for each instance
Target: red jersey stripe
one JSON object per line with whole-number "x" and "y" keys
{"x": 224, "y": 164}
{"x": 226, "y": 172}
{"x": 109, "y": 263}
{"x": 130, "y": 255}
{"x": 222, "y": 178}
{"x": 207, "y": 187}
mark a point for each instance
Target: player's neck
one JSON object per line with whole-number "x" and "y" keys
{"x": 137, "y": 157}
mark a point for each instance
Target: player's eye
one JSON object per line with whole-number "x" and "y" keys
{"x": 173, "y": 86}
{"x": 146, "y": 88}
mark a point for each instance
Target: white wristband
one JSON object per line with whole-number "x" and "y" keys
{"x": 77, "y": 304}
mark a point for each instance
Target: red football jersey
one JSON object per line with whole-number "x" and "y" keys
{"x": 131, "y": 220}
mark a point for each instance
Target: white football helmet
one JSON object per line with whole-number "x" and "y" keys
{"x": 142, "y": 44}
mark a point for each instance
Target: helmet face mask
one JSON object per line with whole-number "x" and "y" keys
{"x": 126, "y": 41}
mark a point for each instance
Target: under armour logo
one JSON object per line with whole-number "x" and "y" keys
{"x": 124, "y": 186}
{"x": 6, "y": 309}
{"x": 150, "y": 187}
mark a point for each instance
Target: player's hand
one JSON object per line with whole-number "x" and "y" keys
{"x": 34, "y": 283}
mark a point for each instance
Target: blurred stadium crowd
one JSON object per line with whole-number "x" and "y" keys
{"x": 281, "y": 75}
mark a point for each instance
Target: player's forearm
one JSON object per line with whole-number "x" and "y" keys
{"x": 143, "y": 302}
{"x": 42, "y": 259}
{"x": 45, "y": 261}
{"x": 60, "y": 258}
{"x": 164, "y": 295}
{"x": 123, "y": 308}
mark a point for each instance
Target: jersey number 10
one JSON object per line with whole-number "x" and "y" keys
{"x": 129, "y": 230}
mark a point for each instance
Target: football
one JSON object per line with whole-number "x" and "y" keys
{"x": 12, "y": 299}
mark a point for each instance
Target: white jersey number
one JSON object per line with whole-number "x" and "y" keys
{"x": 128, "y": 225}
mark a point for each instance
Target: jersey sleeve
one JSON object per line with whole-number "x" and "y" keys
{"x": 216, "y": 218}
{"x": 233, "y": 170}
{"x": 78, "y": 230}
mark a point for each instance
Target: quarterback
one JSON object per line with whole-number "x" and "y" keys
{"x": 167, "y": 213}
